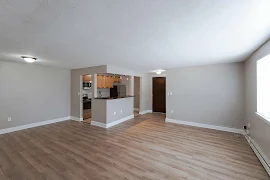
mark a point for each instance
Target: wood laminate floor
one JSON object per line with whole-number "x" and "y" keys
{"x": 143, "y": 148}
{"x": 87, "y": 120}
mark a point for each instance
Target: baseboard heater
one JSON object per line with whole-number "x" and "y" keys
{"x": 260, "y": 156}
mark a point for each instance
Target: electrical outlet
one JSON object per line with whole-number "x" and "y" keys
{"x": 9, "y": 119}
{"x": 248, "y": 125}
{"x": 172, "y": 111}
{"x": 114, "y": 113}
{"x": 121, "y": 111}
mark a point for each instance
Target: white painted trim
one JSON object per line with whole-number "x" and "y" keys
{"x": 259, "y": 153}
{"x": 120, "y": 121}
{"x": 144, "y": 112}
{"x": 103, "y": 125}
{"x": 266, "y": 119}
{"x": 76, "y": 118}
{"x": 220, "y": 128}
{"x": 136, "y": 109}
{"x": 95, "y": 123}
{"x": 18, "y": 128}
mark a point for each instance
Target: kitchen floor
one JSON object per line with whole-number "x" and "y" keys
{"x": 136, "y": 113}
{"x": 87, "y": 116}
{"x": 87, "y": 120}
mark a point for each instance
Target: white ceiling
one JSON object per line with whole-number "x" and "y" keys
{"x": 138, "y": 34}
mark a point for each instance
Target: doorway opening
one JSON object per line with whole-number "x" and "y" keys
{"x": 137, "y": 98}
{"x": 87, "y": 98}
{"x": 159, "y": 94}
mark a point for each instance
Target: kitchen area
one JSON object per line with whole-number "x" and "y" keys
{"x": 108, "y": 87}
{"x": 87, "y": 98}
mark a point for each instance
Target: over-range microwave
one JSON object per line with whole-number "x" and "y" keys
{"x": 87, "y": 85}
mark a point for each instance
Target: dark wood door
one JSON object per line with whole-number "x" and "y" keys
{"x": 159, "y": 94}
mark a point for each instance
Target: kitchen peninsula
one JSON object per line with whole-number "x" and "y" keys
{"x": 112, "y": 98}
{"x": 118, "y": 106}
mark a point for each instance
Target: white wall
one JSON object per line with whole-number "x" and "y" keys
{"x": 211, "y": 94}
{"x": 144, "y": 93}
{"x": 30, "y": 93}
{"x": 108, "y": 111}
{"x": 116, "y": 105}
{"x": 260, "y": 129}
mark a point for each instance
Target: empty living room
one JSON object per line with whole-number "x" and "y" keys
{"x": 135, "y": 89}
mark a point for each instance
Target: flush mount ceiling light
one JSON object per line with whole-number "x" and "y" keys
{"x": 29, "y": 59}
{"x": 159, "y": 71}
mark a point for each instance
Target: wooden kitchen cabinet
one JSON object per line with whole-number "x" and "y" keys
{"x": 109, "y": 81}
{"x": 87, "y": 78}
{"x": 116, "y": 79}
{"x": 100, "y": 81}
{"x": 106, "y": 81}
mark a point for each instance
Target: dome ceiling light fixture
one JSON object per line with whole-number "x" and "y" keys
{"x": 29, "y": 59}
{"x": 159, "y": 71}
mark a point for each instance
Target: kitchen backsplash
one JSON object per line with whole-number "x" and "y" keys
{"x": 104, "y": 92}
{"x": 88, "y": 92}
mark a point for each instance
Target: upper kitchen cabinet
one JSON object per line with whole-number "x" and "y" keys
{"x": 116, "y": 79}
{"x": 109, "y": 81}
{"x": 106, "y": 81}
{"x": 87, "y": 78}
{"x": 100, "y": 81}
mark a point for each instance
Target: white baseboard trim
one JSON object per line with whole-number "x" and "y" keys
{"x": 18, "y": 128}
{"x": 136, "y": 109}
{"x": 145, "y": 112}
{"x": 76, "y": 118}
{"x": 95, "y": 123}
{"x": 220, "y": 128}
{"x": 120, "y": 121}
{"x": 103, "y": 125}
{"x": 259, "y": 153}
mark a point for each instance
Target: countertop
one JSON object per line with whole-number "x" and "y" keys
{"x": 112, "y": 98}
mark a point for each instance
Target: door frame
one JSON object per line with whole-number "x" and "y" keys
{"x": 153, "y": 94}
{"x": 140, "y": 89}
